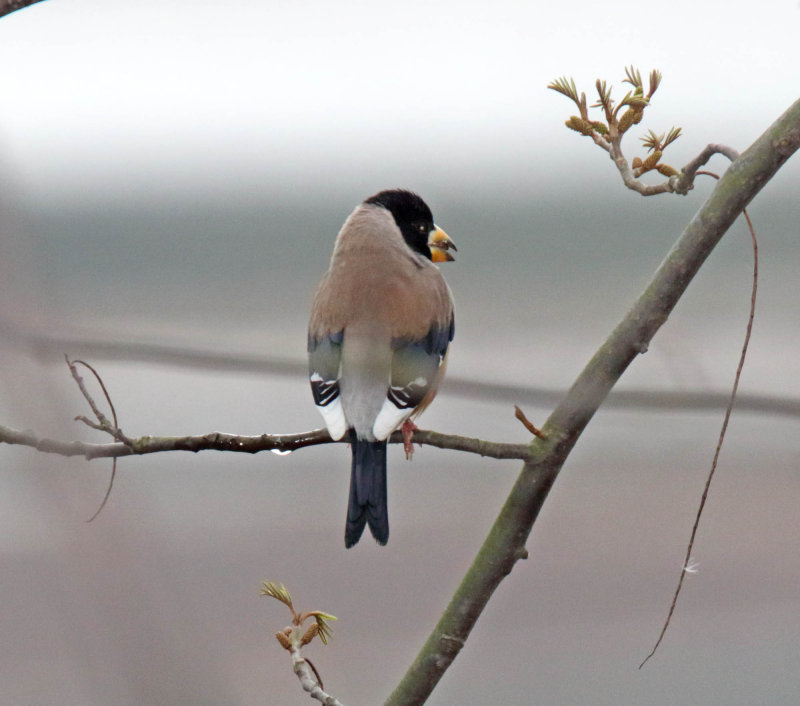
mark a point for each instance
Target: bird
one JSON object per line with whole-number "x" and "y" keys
{"x": 381, "y": 322}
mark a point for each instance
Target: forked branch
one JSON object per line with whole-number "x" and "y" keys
{"x": 505, "y": 544}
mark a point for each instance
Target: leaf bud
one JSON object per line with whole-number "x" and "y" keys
{"x": 652, "y": 160}
{"x": 286, "y": 643}
{"x": 579, "y": 125}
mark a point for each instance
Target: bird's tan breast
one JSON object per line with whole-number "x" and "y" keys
{"x": 370, "y": 285}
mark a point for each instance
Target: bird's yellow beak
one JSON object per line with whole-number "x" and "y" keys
{"x": 440, "y": 244}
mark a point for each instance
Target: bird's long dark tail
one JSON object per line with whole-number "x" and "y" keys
{"x": 367, "y": 505}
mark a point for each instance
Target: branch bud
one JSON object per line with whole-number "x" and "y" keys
{"x": 636, "y": 163}
{"x": 283, "y": 638}
{"x": 666, "y": 170}
{"x": 309, "y": 634}
{"x": 626, "y": 120}
{"x": 652, "y": 160}
{"x": 632, "y": 116}
{"x": 579, "y": 125}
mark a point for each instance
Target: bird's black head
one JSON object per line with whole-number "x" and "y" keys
{"x": 412, "y": 215}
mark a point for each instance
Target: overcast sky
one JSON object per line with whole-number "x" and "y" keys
{"x": 97, "y": 93}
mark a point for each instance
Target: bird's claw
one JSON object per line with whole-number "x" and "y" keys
{"x": 408, "y": 430}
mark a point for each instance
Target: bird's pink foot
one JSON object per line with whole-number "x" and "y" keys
{"x": 408, "y": 430}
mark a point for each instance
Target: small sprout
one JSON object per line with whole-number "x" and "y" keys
{"x": 633, "y": 77}
{"x": 652, "y": 141}
{"x": 655, "y": 82}
{"x": 604, "y": 100}
{"x": 673, "y": 134}
{"x": 290, "y": 636}
{"x": 659, "y": 142}
{"x": 323, "y": 628}
{"x": 566, "y": 87}
{"x": 637, "y": 162}
{"x": 277, "y": 591}
{"x": 603, "y": 92}
{"x": 666, "y": 170}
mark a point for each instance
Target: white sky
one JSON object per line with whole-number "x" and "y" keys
{"x": 94, "y": 92}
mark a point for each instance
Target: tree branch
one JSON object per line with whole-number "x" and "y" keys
{"x": 220, "y": 441}
{"x": 505, "y": 544}
{"x": 309, "y": 680}
{"x": 608, "y": 136}
{"x": 684, "y": 182}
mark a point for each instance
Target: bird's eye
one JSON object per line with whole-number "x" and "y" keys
{"x": 422, "y": 228}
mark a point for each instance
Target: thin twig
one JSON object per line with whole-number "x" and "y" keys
{"x": 107, "y": 495}
{"x": 116, "y": 426}
{"x": 685, "y": 180}
{"x": 104, "y": 425}
{"x": 519, "y": 414}
{"x": 726, "y": 419}
{"x": 317, "y": 675}
{"x": 103, "y": 388}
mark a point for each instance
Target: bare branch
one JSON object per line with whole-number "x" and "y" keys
{"x": 102, "y": 424}
{"x": 219, "y": 441}
{"x": 685, "y": 181}
{"x": 309, "y": 679}
{"x": 681, "y": 183}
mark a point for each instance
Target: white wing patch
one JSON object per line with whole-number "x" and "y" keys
{"x": 333, "y": 415}
{"x": 389, "y": 418}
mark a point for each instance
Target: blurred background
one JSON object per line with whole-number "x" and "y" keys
{"x": 172, "y": 177}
